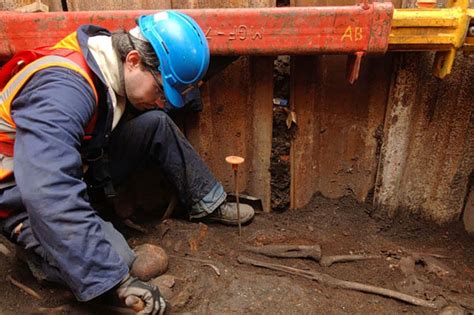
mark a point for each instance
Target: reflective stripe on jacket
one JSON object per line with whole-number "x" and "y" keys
{"x": 66, "y": 54}
{"x": 51, "y": 113}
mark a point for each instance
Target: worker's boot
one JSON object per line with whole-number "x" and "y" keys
{"x": 227, "y": 214}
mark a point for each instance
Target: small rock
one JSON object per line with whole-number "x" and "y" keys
{"x": 164, "y": 280}
{"x": 452, "y": 310}
{"x": 181, "y": 299}
{"x": 5, "y": 251}
{"x": 310, "y": 228}
{"x": 407, "y": 266}
{"x": 177, "y": 246}
{"x": 165, "y": 283}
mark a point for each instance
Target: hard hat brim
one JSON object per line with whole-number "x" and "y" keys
{"x": 170, "y": 33}
{"x": 172, "y": 95}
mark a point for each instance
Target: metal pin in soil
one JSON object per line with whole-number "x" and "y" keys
{"x": 235, "y": 161}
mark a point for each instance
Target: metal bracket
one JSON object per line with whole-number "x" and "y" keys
{"x": 441, "y": 30}
{"x": 353, "y": 66}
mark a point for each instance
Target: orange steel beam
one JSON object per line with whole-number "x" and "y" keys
{"x": 362, "y": 28}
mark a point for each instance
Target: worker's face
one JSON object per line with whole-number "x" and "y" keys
{"x": 143, "y": 87}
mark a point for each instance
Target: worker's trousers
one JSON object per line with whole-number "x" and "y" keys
{"x": 151, "y": 138}
{"x": 154, "y": 139}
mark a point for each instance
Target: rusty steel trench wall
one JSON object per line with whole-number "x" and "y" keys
{"x": 428, "y": 152}
{"x": 340, "y": 126}
{"x": 397, "y": 138}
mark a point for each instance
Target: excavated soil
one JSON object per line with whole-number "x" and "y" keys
{"x": 280, "y": 161}
{"x": 339, "y": 226}
{"x": 281, "y": 136}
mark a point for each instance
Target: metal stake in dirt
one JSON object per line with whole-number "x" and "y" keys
{"x": 235, "y": 161}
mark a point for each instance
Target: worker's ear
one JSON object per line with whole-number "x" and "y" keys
{"x": 132, "y": 60}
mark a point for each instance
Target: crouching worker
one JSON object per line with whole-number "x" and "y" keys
{"x": 98, "y": 93}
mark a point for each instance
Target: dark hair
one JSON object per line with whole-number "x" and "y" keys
{"x": 123, "y": 43}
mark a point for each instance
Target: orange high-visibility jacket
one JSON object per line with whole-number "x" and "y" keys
{"x": 16, "y": 73}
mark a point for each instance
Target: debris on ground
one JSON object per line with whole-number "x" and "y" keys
{"x": 417, "y": 261}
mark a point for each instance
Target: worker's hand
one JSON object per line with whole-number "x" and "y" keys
{"x": 142, "y": 297}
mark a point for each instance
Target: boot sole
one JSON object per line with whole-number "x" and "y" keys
{"x": 244, "y": 221}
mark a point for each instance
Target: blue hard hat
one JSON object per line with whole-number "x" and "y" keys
{"x": 182, "y": 49}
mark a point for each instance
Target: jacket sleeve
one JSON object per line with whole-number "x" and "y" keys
{"x": 50, "y": 114}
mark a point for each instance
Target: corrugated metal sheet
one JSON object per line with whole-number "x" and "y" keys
{"x": 426, "y": 130}
{"x": 336, "y": 144}
{"x": 237, "y": 120}
{"x": 428, "y": 152}
{"x": 237, "y": 117}
{"x": 427, "y": 159}
{"x": 339, "y": 125}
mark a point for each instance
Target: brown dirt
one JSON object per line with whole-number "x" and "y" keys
{"x": 280, "y": 162}
{"x": 281, "y": 136}
{"x": 339, "y": 226}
